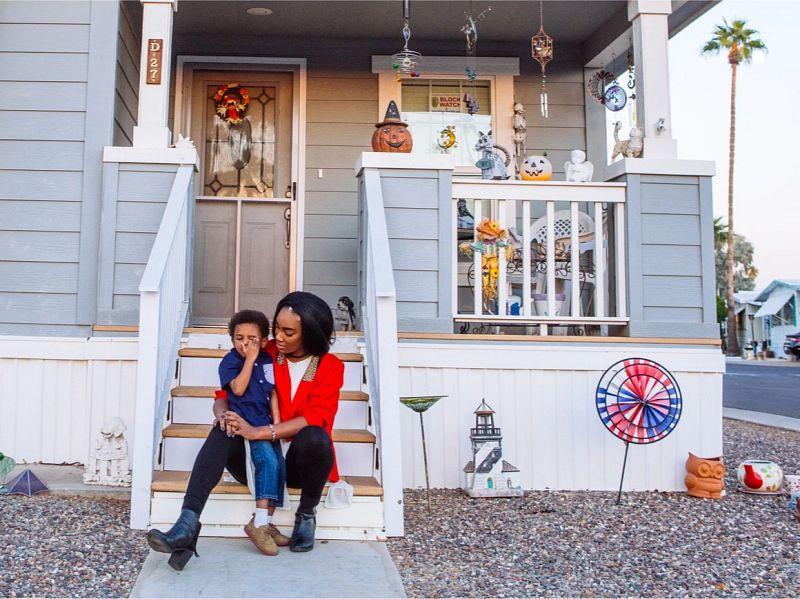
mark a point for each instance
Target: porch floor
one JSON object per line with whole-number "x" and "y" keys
{"x": 234, "y": 568}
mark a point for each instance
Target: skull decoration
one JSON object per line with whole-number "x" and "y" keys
{"x": 392, "y": 134}
{"x": 536, "y": 168}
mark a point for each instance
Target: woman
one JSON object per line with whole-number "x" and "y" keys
{"x": 308, "y": 380}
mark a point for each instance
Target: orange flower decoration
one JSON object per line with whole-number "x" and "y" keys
{"x": 231, "y": 102}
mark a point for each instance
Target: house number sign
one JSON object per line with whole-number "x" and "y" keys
{"x": 154, "y": 56}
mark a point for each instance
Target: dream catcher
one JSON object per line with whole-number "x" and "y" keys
{"x": 405, "y": 62}
{"x": 639, "y": 402}
{"x": 605, "y": 90}
{"x": 470, "y": 31}
{"x": 542, "y": 52}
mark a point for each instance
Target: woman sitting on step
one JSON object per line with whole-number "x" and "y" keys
{"x": 308, "y": 380}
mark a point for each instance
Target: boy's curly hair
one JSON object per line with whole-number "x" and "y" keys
{"x": 250, "y": 317}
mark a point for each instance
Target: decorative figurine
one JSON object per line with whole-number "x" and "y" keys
{"x": 465, "y": 218}
{"x": 578, "y": 169}
{"x": 392, "y": 134}
{"x": 345, "y": 315}
{"x": 704, "y": 477}
{"x": 793, "y": 487}
{"x": 472, "y": 104}
{"x": 760, "y": 476}
{"x": 629, "y": 148}
{"x": 490, "y": 240}
{"x": 108, "y": 462}
{"x": 520, "y": 131}
{"x": 7, "y": 464}
{"x": 488, "y": 474}
{"x": 26, "y": 483}
{"x": 536, "y": 168}
{"x": 447, "y": 139}
{"x": 490, "y": 163}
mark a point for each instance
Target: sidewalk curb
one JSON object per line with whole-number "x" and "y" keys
{"x": 773, "y": 420}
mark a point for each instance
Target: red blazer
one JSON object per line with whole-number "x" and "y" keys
{"x": 317, "y": 400}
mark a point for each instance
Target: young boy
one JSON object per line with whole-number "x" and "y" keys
{"x": 246, "y": 375}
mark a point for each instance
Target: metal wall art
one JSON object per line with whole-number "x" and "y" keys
{"x": 542, "y": 52}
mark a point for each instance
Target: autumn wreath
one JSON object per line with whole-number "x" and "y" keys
{"x": 231, "y": 101}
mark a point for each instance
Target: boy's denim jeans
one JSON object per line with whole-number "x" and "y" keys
{"x": 270, "y": 471}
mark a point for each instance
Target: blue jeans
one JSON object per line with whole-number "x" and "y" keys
{"x": 270, "y": 471}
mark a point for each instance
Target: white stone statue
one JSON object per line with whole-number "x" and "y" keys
{"x": 629, "y": 148}
{"x": 577, "y": 168}
{"x": 108, "y": 462}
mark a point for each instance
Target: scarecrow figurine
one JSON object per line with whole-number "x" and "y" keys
{"x": 392, "y": 134}
{"x": 490, "y": 239}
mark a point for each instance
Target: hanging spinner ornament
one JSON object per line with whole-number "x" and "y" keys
{"x": 405, "y": 62}
{"x": 542, "y": 52}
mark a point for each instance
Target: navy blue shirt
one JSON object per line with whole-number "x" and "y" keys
{"x": 253, "y": 406}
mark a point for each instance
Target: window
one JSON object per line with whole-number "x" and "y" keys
{"x": 430, "y": 106}
{"x": 785, "y": 317}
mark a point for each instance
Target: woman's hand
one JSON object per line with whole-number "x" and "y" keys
{"x": 239, "y": 426}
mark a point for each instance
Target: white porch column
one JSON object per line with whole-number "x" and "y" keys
{"x": 650, "y": 37}
{"x": 151, "y": 130}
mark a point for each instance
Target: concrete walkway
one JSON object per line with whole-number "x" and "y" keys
{"x": 792, "y": 424}
{"x": 234, "y": 568}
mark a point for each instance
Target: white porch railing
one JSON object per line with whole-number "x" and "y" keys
{"x": 379, "y": 320}
{"x": 573, "y": 256}
{"x": 164, "y": 300}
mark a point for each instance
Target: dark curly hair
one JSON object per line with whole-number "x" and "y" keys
{"x": 316, "y": 320}
{"x": 250, "y": 317}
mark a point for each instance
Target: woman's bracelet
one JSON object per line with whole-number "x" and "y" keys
{"x": 272, "y": 428}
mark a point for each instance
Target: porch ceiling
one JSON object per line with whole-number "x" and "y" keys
{"x": 568, "y": 21}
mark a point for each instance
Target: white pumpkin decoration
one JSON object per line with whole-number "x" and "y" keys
{"x": 536, "y": 168}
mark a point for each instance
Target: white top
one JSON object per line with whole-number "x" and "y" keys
{"x": 296, "y": 372}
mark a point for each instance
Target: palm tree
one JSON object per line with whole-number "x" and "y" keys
{"x": 740, "y": 43}
{"x": 720, "y": 233}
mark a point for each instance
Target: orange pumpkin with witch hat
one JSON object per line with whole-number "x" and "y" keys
{"x": 392, "y": 134}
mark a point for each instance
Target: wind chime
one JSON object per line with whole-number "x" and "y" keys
{"x": 470, "y": 31}
{"x": 542, "y": 52}
{"x": 633, "y": 117}
{"x": 406, "y": 61}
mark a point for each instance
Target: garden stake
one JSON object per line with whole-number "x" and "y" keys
{"x": 621, "y": 478}
{"x": 420, "y": 405}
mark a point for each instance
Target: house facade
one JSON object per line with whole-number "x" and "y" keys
{"x": 778, "y": 312}
{"x": 136, "y": 218}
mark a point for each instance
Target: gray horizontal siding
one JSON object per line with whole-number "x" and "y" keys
{"x": 44, "y": 74}
{"x": 126, "y": 99}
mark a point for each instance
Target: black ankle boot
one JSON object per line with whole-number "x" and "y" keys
{"x": 180, "y": 540}
{"x": 303, "y": 533}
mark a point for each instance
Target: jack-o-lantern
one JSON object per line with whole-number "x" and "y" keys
{"x": 392, "y": 134}
{"x": 536, "y": 168}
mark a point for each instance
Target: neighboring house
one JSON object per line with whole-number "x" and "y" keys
{"x": 779, "y": 312}
{"x": 122, "y": 246}
{"x": 749, "y": 329}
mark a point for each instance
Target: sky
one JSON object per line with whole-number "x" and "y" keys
{"x": 767, "y": 164}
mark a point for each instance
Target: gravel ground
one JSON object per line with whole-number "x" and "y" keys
{"x": 67, "y": 546}
{"x": 581, "y": 544}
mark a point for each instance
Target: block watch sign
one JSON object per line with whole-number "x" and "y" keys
{"x": 154, "y": 55}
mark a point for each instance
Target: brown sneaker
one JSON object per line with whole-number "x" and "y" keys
{"x": 281, "y": 540}
{"x": 261, "y": 538}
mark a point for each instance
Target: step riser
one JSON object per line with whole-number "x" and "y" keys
{"x": 362, "y": 518}
{"x": 197, "y": 410}
{"x": 203, "y": 372}
{"x": 354, "y": 459}
{"x": 342, "y": 345}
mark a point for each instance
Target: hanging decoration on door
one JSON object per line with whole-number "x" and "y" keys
{"x": 639, "y": 402}
{"x": 470, "y": 31}
{"x": 231, "y": 103}
{"x": 542, "y": 52}
{"x": 405, "y": 62}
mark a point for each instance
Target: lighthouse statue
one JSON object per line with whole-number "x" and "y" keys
{"x": 488, "y": 474}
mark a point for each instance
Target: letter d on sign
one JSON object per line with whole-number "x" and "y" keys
{"x": 154, "y": 51}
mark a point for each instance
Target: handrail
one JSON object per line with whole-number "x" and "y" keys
{"x": 377, "y": 299}
{"x": 163, "y": 305}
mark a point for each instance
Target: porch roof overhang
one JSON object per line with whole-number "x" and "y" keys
{"x": 774, "y": 304}
{"x": 589, "y": 24}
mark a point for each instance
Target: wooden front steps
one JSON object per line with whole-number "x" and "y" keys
{"x": 202, "y": 352}
{"x": 208, "y": 392}
{"x": 200, "y": 431}
{"x": 176, "y": 482}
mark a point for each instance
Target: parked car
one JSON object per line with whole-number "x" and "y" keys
{"x": 792, "y": 345}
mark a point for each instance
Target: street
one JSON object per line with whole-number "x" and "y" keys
{"x": 762, "y": 388}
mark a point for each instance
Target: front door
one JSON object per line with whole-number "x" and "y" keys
{"x": 244, "y": 195}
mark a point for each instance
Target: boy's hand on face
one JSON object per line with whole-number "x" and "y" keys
{"x": 250, "y": 350}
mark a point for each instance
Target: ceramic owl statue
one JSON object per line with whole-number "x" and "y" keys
{"x": 704, "y": 477}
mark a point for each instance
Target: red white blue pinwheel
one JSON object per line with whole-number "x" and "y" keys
{"x": 638, "y": 401}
